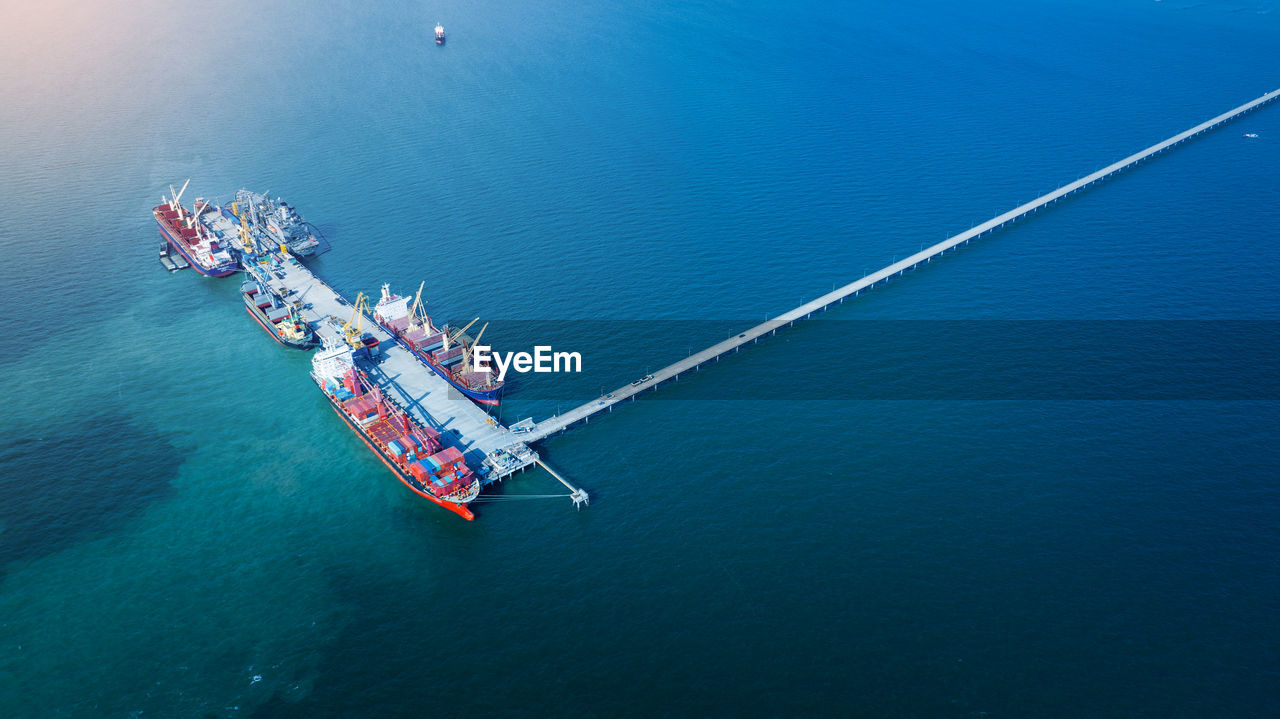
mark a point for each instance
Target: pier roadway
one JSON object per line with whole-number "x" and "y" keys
{"x": 583, "y": 413}
{"x": 400, "y": 375}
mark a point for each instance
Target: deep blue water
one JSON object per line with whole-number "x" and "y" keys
{"x": 181, "y": 514}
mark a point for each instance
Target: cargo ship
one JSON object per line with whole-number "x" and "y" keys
{"x": 447, "y": 352}
{"x": 277, "y": 223}
{"x": 412, "y": 452}
{"x": 276, "y": 317}
{"x": 184, "y": 233}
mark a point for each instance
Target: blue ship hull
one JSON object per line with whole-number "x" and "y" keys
{"x": 487, "y": 398}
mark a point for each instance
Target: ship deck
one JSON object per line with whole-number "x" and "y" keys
{"x": 426, "y": 396}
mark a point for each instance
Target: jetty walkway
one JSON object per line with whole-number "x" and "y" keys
{"x": 584, "y": 412}
{"x": 426, "y": 396}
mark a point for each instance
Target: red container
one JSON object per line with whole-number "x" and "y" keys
{"x": 360, "y": 407}
{"x": 447, "y": 457}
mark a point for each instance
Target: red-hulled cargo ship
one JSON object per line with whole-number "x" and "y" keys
{"x": 444, "y": 351}
{"x": 186, "y": 235}
{"x": 412, "y": 452}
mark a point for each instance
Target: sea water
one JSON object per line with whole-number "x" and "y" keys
{"x": 186, "y": 530}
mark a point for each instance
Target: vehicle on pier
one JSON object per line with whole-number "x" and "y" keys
{"x": 185, "y": 234}
{"x": 413, "y": 452}
{"x": 446, "y": 351}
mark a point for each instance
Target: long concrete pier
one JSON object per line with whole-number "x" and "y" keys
{"x": 606, "y": 402}
{"x": 488, "y": 446}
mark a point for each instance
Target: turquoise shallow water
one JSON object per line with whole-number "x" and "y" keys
{"x": 182, "y": 515}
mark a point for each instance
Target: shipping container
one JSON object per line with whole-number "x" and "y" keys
{"x": 418, "y": 471}
{"x": 448, "y": 456}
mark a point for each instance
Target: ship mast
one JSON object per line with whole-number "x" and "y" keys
{"x": 176, "y": 197}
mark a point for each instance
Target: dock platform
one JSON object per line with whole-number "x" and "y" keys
{"x": 485, "y": 443}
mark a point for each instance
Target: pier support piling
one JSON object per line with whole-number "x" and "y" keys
{"x": 579, "y": 496}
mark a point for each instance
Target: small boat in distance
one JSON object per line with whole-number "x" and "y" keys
{"x": 439, "y": 34}
{"x": 1251, "y": 135}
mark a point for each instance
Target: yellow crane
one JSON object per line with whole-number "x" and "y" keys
{"x": 245, "y": 240}
{"x": 355, "y": 326}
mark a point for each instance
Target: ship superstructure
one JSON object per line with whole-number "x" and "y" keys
{"x": 278, "y": 318}
{"x": 276, "y": 222}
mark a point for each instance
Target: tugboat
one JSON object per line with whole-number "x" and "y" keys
{"x": 439, "y": 34}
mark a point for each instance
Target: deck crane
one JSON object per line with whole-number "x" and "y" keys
{"x": 466, "y": 351}
{"x": 189, "y": 218}
{"x": 414, "y": 320}
{"x": 198, "y": 208}
{"x": 175, "y": 197}
{"x": 193, "y": 218}
{"x": 355, "y": 326}
{"x": 453, "y": 336}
